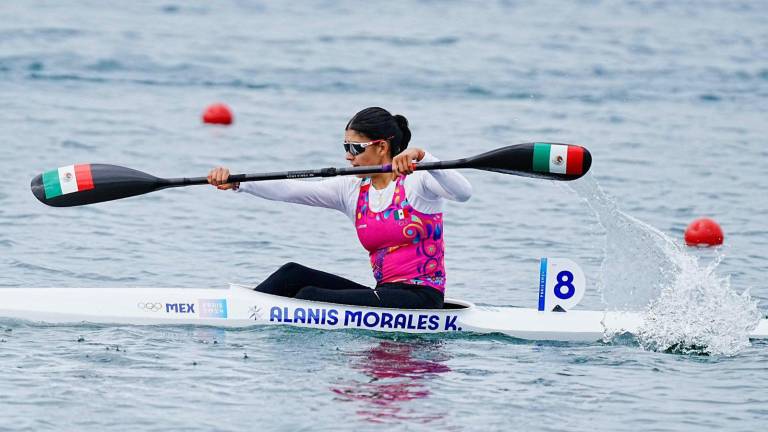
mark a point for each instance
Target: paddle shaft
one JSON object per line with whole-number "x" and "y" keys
{"x": 301, "y": 174}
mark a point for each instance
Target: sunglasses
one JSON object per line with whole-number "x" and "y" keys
{"x": 355, "y": 148}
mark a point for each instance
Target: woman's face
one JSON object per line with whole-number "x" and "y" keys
{"x": 376, "y": 154}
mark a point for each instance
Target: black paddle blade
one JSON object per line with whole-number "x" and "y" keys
{"x": 541, "y": 160}
{"x": 76, "y": 185}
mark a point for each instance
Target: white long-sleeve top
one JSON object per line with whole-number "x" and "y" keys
{"x": 425, "y": 191}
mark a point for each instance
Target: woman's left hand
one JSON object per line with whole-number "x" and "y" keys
{"x": 403, "y": 164}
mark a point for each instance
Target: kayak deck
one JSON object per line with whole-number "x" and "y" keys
{"x": 240, "y": 306}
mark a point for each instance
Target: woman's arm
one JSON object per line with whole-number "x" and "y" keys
{"x": 448, "y": 184}
{"x": 329, "y": 193}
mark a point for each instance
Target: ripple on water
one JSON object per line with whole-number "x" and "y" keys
{"x": 38, "y": 268}
{"x": 77, "y": 145}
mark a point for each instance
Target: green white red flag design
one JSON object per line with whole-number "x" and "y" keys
{"x": 68, "y": 179}
{"x": 558, "y": 158}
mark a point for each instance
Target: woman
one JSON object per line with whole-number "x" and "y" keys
{"x": 398, "y": 217}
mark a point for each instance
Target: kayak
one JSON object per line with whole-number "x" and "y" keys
{"x": 241, "y": 306}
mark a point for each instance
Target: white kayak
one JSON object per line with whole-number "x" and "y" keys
{"x": 240, "y": 306}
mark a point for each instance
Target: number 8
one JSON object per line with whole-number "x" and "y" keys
{"x": 564, "y": 279}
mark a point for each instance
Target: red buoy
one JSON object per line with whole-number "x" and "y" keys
{"x": 218, "y": 114}
{"x": 703, "y": 232}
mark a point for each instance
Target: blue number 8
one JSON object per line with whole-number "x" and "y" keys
{"x": 564, "y": 279}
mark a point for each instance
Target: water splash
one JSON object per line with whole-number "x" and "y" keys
{"x": 637, "y": 265}
{"x": 688, "y": 308}
{"x": 699, "y": 313}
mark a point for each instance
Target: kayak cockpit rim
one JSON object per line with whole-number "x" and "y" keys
{"x": 449, "y": 303}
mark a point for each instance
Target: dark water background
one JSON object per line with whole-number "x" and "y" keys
{"x": 670, "y": 97}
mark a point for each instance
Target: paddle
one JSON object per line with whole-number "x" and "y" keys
{"x": 83, "y": 184}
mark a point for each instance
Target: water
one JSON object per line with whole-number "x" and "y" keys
{"x": 670, "y": 97}
{"x": 687, "y": 307}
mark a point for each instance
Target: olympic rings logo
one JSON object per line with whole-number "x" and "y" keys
{"x": 152, "y": 307}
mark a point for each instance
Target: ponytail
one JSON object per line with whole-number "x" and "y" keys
{"x": 402, "y": 124}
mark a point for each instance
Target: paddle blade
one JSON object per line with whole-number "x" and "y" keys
{"x": 541, "y": 160}
{"x": 76, "y": 185}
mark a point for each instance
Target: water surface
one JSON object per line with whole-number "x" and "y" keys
{"x": 669, "y": 96}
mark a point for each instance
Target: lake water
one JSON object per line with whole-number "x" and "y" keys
{"x": 669, "y": 96}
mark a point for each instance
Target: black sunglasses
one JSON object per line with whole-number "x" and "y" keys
{"x": 355, "y": 148}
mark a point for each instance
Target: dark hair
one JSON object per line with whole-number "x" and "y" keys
{"x": 377, "y": 123}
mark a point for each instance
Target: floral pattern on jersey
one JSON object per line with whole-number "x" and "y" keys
{"x": 417, "y": 256}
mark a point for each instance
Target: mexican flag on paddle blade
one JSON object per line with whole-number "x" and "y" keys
{"x": 68, "y": 179}
{"x": 558, "y": 158}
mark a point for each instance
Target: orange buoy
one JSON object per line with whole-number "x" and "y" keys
{"x": 703, "y": 232}
{"x": 217, "y": 114}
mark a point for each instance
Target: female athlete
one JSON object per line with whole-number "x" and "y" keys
{"x": 398, "y": 217}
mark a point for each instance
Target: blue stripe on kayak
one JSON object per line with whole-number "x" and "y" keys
{"x": 542, "y": 283}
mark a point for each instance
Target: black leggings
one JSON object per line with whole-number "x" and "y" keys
{"x": 295, "y": 280}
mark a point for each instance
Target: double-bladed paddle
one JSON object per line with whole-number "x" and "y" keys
{"x": 82, "y": 184}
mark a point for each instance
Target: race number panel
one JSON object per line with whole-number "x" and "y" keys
{"x": 561, "y": 284}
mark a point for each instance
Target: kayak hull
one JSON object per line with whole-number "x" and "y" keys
{"x": 240, "y": 306}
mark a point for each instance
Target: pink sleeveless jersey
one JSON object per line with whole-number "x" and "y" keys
{"x": 404, "y": 244}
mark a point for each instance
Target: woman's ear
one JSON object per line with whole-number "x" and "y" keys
{"x": 384, "y": 149}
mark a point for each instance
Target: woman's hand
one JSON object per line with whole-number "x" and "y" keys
{"x": 403, "y": 164}
{"x": 218, "y": 177}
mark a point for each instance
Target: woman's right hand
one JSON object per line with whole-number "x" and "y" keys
{"x": 218, "y": 177}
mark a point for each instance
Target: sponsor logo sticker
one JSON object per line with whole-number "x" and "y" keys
{"x": 213, "y": 308}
